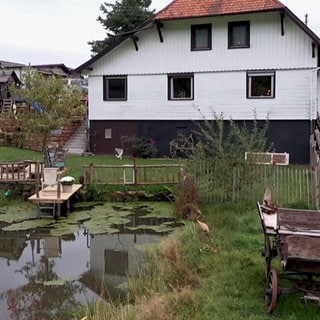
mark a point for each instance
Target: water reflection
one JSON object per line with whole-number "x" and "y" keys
{"x": 41, "y": 276}
{"x": 114, "y": 258}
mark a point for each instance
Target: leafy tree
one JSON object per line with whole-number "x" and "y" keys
{"x": 218, "y": 160}
{"x": 118, "y": 18}
{"x": 52, "y": 104}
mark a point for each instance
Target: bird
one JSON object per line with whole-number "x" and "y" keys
{"x": 203, "y": 226}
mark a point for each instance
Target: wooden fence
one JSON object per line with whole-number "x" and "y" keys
{"x": 26, "y": 171}
{"x": 132, "y": 174}
{"x": 290, "y": 185}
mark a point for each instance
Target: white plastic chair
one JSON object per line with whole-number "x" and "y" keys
{"x": 49, "y": 177}
{"x": 118, "y": 152}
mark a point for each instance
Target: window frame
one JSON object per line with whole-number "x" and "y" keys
{"x": 171, "y": 77}
{"x": 106, "y": 93}
{"x": 194, "y": 29}
{"x": 262, "y": 73}
{"x": 231, "y": 25}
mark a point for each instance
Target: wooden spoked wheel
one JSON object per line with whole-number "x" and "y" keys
{"x": 271, "y": 293}
{"x": 173, "y": 146}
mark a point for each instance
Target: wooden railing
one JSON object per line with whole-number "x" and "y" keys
{"x": 132, "y": 174}
{"x": 27, "y": 171}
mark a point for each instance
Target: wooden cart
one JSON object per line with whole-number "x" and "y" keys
{"x": 292, "y": 235}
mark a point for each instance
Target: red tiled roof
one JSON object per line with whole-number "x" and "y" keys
{"x": 178, "y": 9}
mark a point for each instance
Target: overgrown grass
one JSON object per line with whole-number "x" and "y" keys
{"x": 194, "y": 276}
{"x": 220, "y": 276}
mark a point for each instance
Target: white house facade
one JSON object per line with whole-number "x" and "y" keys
{"x": 244, "y": 61}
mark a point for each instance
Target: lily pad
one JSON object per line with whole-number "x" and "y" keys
{"x": 159, "y": 229}
{"x": 76, "y": 217}
{"x": 96, "y": 226}
{"x": 62, "y": 229}
{"x": 17, "y": 212}
{"x": 60, "y": 282}
{"x": 28, "y": 224}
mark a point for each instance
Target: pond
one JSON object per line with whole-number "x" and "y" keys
{"x": 48, "y": 267}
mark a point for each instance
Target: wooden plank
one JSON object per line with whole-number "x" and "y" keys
{"x": 299, "y": 219}
{"x": 50, "y": 194}
{"x": 299, "y": 247}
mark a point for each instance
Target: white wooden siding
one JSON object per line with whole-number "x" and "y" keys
{"x": 219, "y": 92}
{"x": 219, "y": 74}
{"x": 268, "y": 49}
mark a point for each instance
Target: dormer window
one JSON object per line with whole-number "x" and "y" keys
{"x": 239, "y": 34}
{"x": 201, "y": 37}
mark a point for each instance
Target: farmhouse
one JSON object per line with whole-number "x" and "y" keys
{"x": 243, "y": 59}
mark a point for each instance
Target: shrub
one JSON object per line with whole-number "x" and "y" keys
{"x": 144, "y": 147}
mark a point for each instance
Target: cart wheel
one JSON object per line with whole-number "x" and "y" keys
{"x": 271, "y": 293}
{"x": 173, "y": 146}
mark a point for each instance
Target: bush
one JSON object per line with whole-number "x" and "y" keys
{"x": 144, "y": 147}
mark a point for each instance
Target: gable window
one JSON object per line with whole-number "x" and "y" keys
{"x": 239, "y": 34}
{"x": 261, "y": 85}
{"x": 114, "y": 88}
{"x": 201, "y": 37}
{"x": 180, "y": 87}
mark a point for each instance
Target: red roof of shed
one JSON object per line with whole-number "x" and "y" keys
{"x": 199, "y": 8}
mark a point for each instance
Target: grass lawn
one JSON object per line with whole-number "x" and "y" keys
{"x": 74, "y": 163}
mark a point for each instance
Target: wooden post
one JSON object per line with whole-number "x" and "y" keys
{"x": 37, "y": 178}
{"x": 135, "y": 180}
{"x": 59, "y": 190}
{"x": 91, "y": 170}
{"x": 234, "y": 185}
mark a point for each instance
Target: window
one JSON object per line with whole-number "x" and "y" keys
{"x": 201, "y": 37}
{"x": 180, "y": 87}
{"x": 114, "y": 88}
{"x": 116, "y": 262}
{"x": 261, "y": 85}
{"x": 108, "y": 133}
{"x": 239, "y": 34}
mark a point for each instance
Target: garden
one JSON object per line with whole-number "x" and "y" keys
{"x": 188, "y": 275}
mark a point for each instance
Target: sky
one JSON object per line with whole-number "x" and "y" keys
{"x": 57, "y": 31}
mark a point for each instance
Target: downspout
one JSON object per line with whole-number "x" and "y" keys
{"x": 313, "y": 97}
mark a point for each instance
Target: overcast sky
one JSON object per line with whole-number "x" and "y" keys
{"x": 57, "y": 31}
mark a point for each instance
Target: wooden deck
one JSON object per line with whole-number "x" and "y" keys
{"x": 51, "y": 197}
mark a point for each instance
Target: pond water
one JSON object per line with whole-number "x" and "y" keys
{"x": 46, "y": 270}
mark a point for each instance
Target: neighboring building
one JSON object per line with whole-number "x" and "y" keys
{"x": 237, "y": 57}
{"x": 7, "y": 79}
{"x": 8, "y": 66}
{"x": 13, "y": 72}
{"x": 47, "y": 69}
{"x": 59, "y": 70}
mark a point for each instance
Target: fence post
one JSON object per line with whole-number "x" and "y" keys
{"x": 37, "y": 173}
{"x": 90, "y": 172}
{"x": 135, "y": 180}
{"x": 234, "y": 182}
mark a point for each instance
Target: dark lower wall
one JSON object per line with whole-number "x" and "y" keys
{"x": 286, "y": 136}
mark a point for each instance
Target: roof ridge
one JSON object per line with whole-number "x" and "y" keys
{"x": 178, "y": 9}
